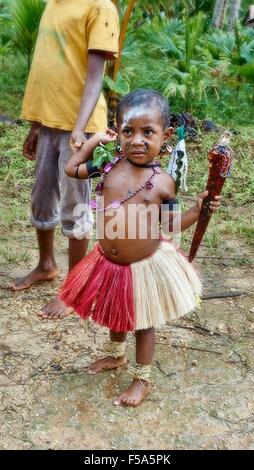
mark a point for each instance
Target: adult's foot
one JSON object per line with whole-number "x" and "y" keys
{"x": 106, "y": 363}
{"x": 37, "y": 275}
{"x": 54, "y": 310}
{"x": 135, "y": 393}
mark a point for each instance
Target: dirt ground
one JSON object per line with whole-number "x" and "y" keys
{"x": 203, "y": 395}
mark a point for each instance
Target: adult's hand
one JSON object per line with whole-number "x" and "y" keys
{"x": 30, "y": 143}
{"x": 77, "y": 139}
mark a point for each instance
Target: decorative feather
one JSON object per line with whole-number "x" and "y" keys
{"x": 178, "y": 164}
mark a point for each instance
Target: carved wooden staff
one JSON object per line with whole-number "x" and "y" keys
{"x": 220, "y": 158}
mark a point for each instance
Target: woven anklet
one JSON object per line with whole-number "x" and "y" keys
{"x": 115, "y": 349}
{"x": 140, "y": 372}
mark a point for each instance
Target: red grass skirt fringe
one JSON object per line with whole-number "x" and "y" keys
{"x": 102, "y": 289}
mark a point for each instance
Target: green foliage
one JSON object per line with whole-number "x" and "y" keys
{"x": 104, "y": 153}
{"x": 26, "y": 15}
{"x": 235, "y": 48}
{"x": 181, "y": 72}
{"x": 206, "y": 71}
{"x": 5, "y": 35}
{"x": 120, "y": 85}
{"x": 239, "y": 187}
{"x": 12, "y": 81}
{"x": 169, "y": 47}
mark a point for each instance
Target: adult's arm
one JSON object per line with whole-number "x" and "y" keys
{"x": 90, "y": 96}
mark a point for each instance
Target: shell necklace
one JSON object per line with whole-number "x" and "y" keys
{"x": 148, "y": 184}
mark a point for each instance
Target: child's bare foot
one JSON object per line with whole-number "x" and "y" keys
{"x": 135, "y": 393}
{"x": 37, "y": 275}
{"x": 106, "y": 363}
{"x": 55, "y": 309}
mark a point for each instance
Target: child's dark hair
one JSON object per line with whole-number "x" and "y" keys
{"x": 146, "y": 97}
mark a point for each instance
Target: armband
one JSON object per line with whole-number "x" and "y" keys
{"x": 170, "y": 204}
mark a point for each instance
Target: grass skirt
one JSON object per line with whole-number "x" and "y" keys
{"x": 133, "y": 296}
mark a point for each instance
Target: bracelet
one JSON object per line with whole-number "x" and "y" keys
{"x": 77, "y": 169}
{"x": 93, "y": 171}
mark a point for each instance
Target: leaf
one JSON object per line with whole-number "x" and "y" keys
{"x": 111, "y": 146}
{"x": 120, "y": 86}
{"x": 247, "y": 71}
{"x": 98, "y": 160}
{"x": 26, "y": 15}
{"x": 104, "y": 153}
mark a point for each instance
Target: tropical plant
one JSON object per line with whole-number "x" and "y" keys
{"x": 115, "y": 81}
{"x": 167, "y": 45}
{"x": 132, "y": 14}
{"x": 5, "y": 35}
{"x": 26, "y": 15}
{"x": 235, "y": 49}
{"x": 184, "y": 73}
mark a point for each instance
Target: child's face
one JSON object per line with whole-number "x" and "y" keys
{"x": 141, "y": 134}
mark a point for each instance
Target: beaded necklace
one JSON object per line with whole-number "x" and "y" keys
{"x": 148, "y": 184}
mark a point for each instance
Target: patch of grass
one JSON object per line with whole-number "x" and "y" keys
{"x": 13, "y": 255}
{"x": 238, "y": 189}
{"x": 14, "y": 216}
{"x": 242, "y": 227}
{"x": 13, "y": 75}
{"x": 212, "y": 237}
{"x": 13, "y": 166}
{"x": 16, "y": 177}
{"x": 242, "y": 262}
{"x": 232, "y": 107}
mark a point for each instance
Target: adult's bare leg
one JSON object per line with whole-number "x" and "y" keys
{"x": 46, "y": 270}
{"x": 139, "y": 389}
{"x": 56, "y": 309}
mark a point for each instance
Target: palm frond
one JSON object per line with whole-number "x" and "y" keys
{"x": 174, "y": 89}
{"x": 26, "y": 15}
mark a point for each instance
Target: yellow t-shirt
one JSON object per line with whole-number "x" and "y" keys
{"x": 68, "y": 30}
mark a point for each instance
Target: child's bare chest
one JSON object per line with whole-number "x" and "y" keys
{"x": 129, "y": 188}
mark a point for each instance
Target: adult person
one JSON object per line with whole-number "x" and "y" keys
{"x": 64, "y": 103}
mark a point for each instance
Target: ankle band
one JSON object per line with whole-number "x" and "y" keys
{"x": 141, "y": 371}
{"x": 115, "y": 349}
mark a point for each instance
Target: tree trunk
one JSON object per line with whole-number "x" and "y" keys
{"x": 112, "y": 98}
{"x": 233, "y": 14}
{"x": 219, "y": 13}
{"x": 126, "y": 18}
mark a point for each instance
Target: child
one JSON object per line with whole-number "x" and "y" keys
{"x": 133, "y": 283}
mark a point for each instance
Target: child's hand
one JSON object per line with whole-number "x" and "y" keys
{"x": 214, "y": 205}
{"x": 106, "y": 137}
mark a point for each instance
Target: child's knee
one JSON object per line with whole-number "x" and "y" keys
{"x": 146, "y": 332}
